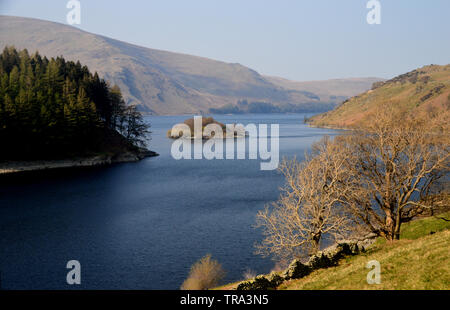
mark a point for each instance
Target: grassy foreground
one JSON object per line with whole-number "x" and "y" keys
{"x": 419, "y": 261}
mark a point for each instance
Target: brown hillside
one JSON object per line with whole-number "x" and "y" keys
{"x": 423, "y": 93}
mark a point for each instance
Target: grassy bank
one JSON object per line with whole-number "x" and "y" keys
{"x": 420, "y": 260}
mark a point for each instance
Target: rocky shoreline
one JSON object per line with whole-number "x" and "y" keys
{"x": 10, "y": 167}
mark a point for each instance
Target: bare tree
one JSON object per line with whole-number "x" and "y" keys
{"x": 309, "y": 207}
{"x": 392, "y": 167}
{"x": 369, "y": 180}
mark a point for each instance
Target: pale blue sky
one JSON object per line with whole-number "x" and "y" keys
{"x": 295, "y": 39}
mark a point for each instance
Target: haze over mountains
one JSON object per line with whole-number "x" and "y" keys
{"x": 162, "y": 82}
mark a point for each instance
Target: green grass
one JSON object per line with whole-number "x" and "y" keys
{"x": 416, "y": 229}
{"x": 420, "y": 260}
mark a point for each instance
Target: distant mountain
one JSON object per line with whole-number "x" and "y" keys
{"x": 328, "y": 90}
{"x": 162, "y": 82}
{"x": 423, "y": 93}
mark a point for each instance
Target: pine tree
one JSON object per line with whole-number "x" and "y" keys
{"x": 55, "y": 106}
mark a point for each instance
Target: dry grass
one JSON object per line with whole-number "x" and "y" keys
{"x": 415, "y": 96}
{"x": 420, "y": 260}
{"x": 204, "y": 274}
{"x": 249, "y": 274}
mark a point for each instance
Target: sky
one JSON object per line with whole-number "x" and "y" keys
{"x": 295, "y": 39}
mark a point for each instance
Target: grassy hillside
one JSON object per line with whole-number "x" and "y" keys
{"x": 422, "y": 93}
{"x": 160, "y": 82}
{"x": 420, "y": 260}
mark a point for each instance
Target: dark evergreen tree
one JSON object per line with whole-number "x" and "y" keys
{"x": 57, "y": 108}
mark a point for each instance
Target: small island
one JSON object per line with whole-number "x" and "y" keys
{"x": 177, "y": 130}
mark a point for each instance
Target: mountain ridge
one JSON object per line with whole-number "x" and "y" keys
{"x": 158, "y": 81}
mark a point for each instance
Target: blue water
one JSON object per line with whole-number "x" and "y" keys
{"x": 141, "y": 225}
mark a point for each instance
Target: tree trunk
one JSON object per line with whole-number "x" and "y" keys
{"x": 315, "y": 244}
{"x": 397, "y": 230}
{"x": 390, "y": 227}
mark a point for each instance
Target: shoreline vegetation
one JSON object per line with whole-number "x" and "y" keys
{"x": 57, "y": 114}
{"x": 360, "y": 183}
{"x": 379, "y": 179}
{"x": 341, "y": 268}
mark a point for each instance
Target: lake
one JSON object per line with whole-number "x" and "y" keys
{"x": 142, "y": 225}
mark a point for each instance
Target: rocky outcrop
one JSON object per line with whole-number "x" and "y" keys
{"x": 296, "y": 270}
{"x": 197, "y": 130}
{"x": 329, "y": 257}
{"x": 262, "y": 283}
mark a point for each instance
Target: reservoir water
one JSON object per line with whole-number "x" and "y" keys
{"x": 142, "y": 225}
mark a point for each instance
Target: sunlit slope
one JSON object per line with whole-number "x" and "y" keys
{"x": 421, "y": 93}
{"x": 419, "y": 261}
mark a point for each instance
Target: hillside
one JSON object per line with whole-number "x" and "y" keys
{"x": 163, "y": 82}
{"x": 419, "y": 261}
{"x": 331, "y": 90}
{"x": 422, "y": 93}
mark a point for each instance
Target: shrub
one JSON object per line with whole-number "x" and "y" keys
{"x": 249, "y": 274}
{"x": 204, "y": 274}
